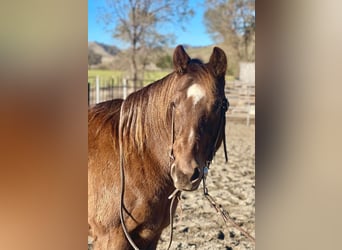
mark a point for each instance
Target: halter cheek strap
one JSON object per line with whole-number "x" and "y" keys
{"x": 224, "y": 104}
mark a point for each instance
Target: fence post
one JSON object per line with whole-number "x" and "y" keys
{"x": 248, "y": 105}
{"x": 124, "y": 82}
{"x": 97, "y": 89}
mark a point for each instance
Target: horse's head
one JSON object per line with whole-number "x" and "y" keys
{"x": 198, "y": 115}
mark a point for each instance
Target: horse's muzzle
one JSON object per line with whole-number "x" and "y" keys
{"x": 186, "y": 181}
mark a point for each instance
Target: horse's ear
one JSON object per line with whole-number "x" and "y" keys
{"x": 218, "y": 61}
{"x": 180, "y": 59}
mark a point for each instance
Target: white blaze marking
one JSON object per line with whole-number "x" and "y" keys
{"x": 196, "y": 92}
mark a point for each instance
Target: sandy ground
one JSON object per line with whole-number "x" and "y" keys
{"x": 232, "y": 184}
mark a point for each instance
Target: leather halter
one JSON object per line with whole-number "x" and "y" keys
{"x": 224, "y": 104}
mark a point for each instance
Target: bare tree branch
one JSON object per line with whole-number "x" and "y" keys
{"x": 138, "y": 23}
{"x": 232, "y": 23}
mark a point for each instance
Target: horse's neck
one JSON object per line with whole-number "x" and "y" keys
{"x": 158, "y": 131}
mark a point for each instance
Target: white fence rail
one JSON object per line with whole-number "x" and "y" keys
{"x": 241, "y": 98}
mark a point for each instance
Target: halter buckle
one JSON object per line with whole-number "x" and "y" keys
{"x": 171, "y": 155}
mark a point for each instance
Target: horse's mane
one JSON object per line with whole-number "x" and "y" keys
{"x": 106, "y": 113}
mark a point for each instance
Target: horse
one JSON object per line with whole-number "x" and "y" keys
{"x": 155, "y": 142}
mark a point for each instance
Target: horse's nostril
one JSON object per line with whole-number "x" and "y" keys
{"x": 196, "y": 174}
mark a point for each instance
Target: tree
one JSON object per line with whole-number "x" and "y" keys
{"x": 140, "y": 24}
{"x": 232, "y": 23}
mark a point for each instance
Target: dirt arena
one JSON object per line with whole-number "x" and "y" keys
{"x": 197, "y": 225}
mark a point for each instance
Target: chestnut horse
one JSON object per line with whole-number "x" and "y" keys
{"x": 142, "y": 149}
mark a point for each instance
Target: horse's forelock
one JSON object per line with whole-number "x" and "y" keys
{"x": 202, "y": 74}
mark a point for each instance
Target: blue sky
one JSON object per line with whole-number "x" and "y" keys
{"x": 196, "y": 35}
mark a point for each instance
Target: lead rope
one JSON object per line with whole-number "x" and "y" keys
{"x": 218, "y": 207}
{"x": 223, "y": 212}
{"x": 122, "y": 178}
{"x": 175, "y": 194}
